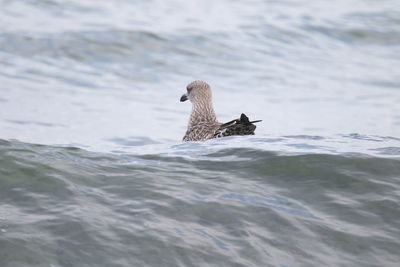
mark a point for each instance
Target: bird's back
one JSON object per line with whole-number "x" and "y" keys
{"x": 202, "y": 131}
{"x": 208, "y": 130}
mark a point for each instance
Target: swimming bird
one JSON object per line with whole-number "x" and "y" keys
{"x": 203, "y": 124}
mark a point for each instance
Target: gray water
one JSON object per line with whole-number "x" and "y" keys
{"x": 92, "y": 168}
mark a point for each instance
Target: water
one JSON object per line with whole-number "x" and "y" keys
{"x": 92, "y": 168}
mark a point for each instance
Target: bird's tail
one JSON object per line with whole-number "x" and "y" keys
{"x": 241, "y": 126}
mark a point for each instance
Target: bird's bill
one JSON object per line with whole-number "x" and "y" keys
{"x": 184, "y": 98}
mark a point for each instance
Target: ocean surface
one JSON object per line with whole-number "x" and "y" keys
{"x": 93, "y": 171}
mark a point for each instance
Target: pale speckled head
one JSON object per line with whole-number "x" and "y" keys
{"x": 197, "y": 91}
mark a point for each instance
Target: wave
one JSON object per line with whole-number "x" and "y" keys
{"x": 204, "y": 199}
{"x": 255, "y": 157}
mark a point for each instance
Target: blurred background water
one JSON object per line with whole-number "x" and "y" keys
{"x": 92, "y": 168}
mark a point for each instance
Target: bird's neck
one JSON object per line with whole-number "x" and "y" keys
{"x": 202, "y": 112}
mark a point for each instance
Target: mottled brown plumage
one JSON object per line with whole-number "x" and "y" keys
{"x": 203, "y": 122}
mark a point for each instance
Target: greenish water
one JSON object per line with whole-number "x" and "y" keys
{"x": 92, "y": 168}
{"x": 197, "y": 205}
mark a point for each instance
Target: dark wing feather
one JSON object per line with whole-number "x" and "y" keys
{"x": 241, "y": 126}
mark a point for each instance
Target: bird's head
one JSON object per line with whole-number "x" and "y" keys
{"x": 197, "y": 91}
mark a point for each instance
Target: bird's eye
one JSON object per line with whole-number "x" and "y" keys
{"x": 189, "y": 89}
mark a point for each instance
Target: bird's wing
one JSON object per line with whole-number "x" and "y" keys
{"x": 241, "y": 126}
